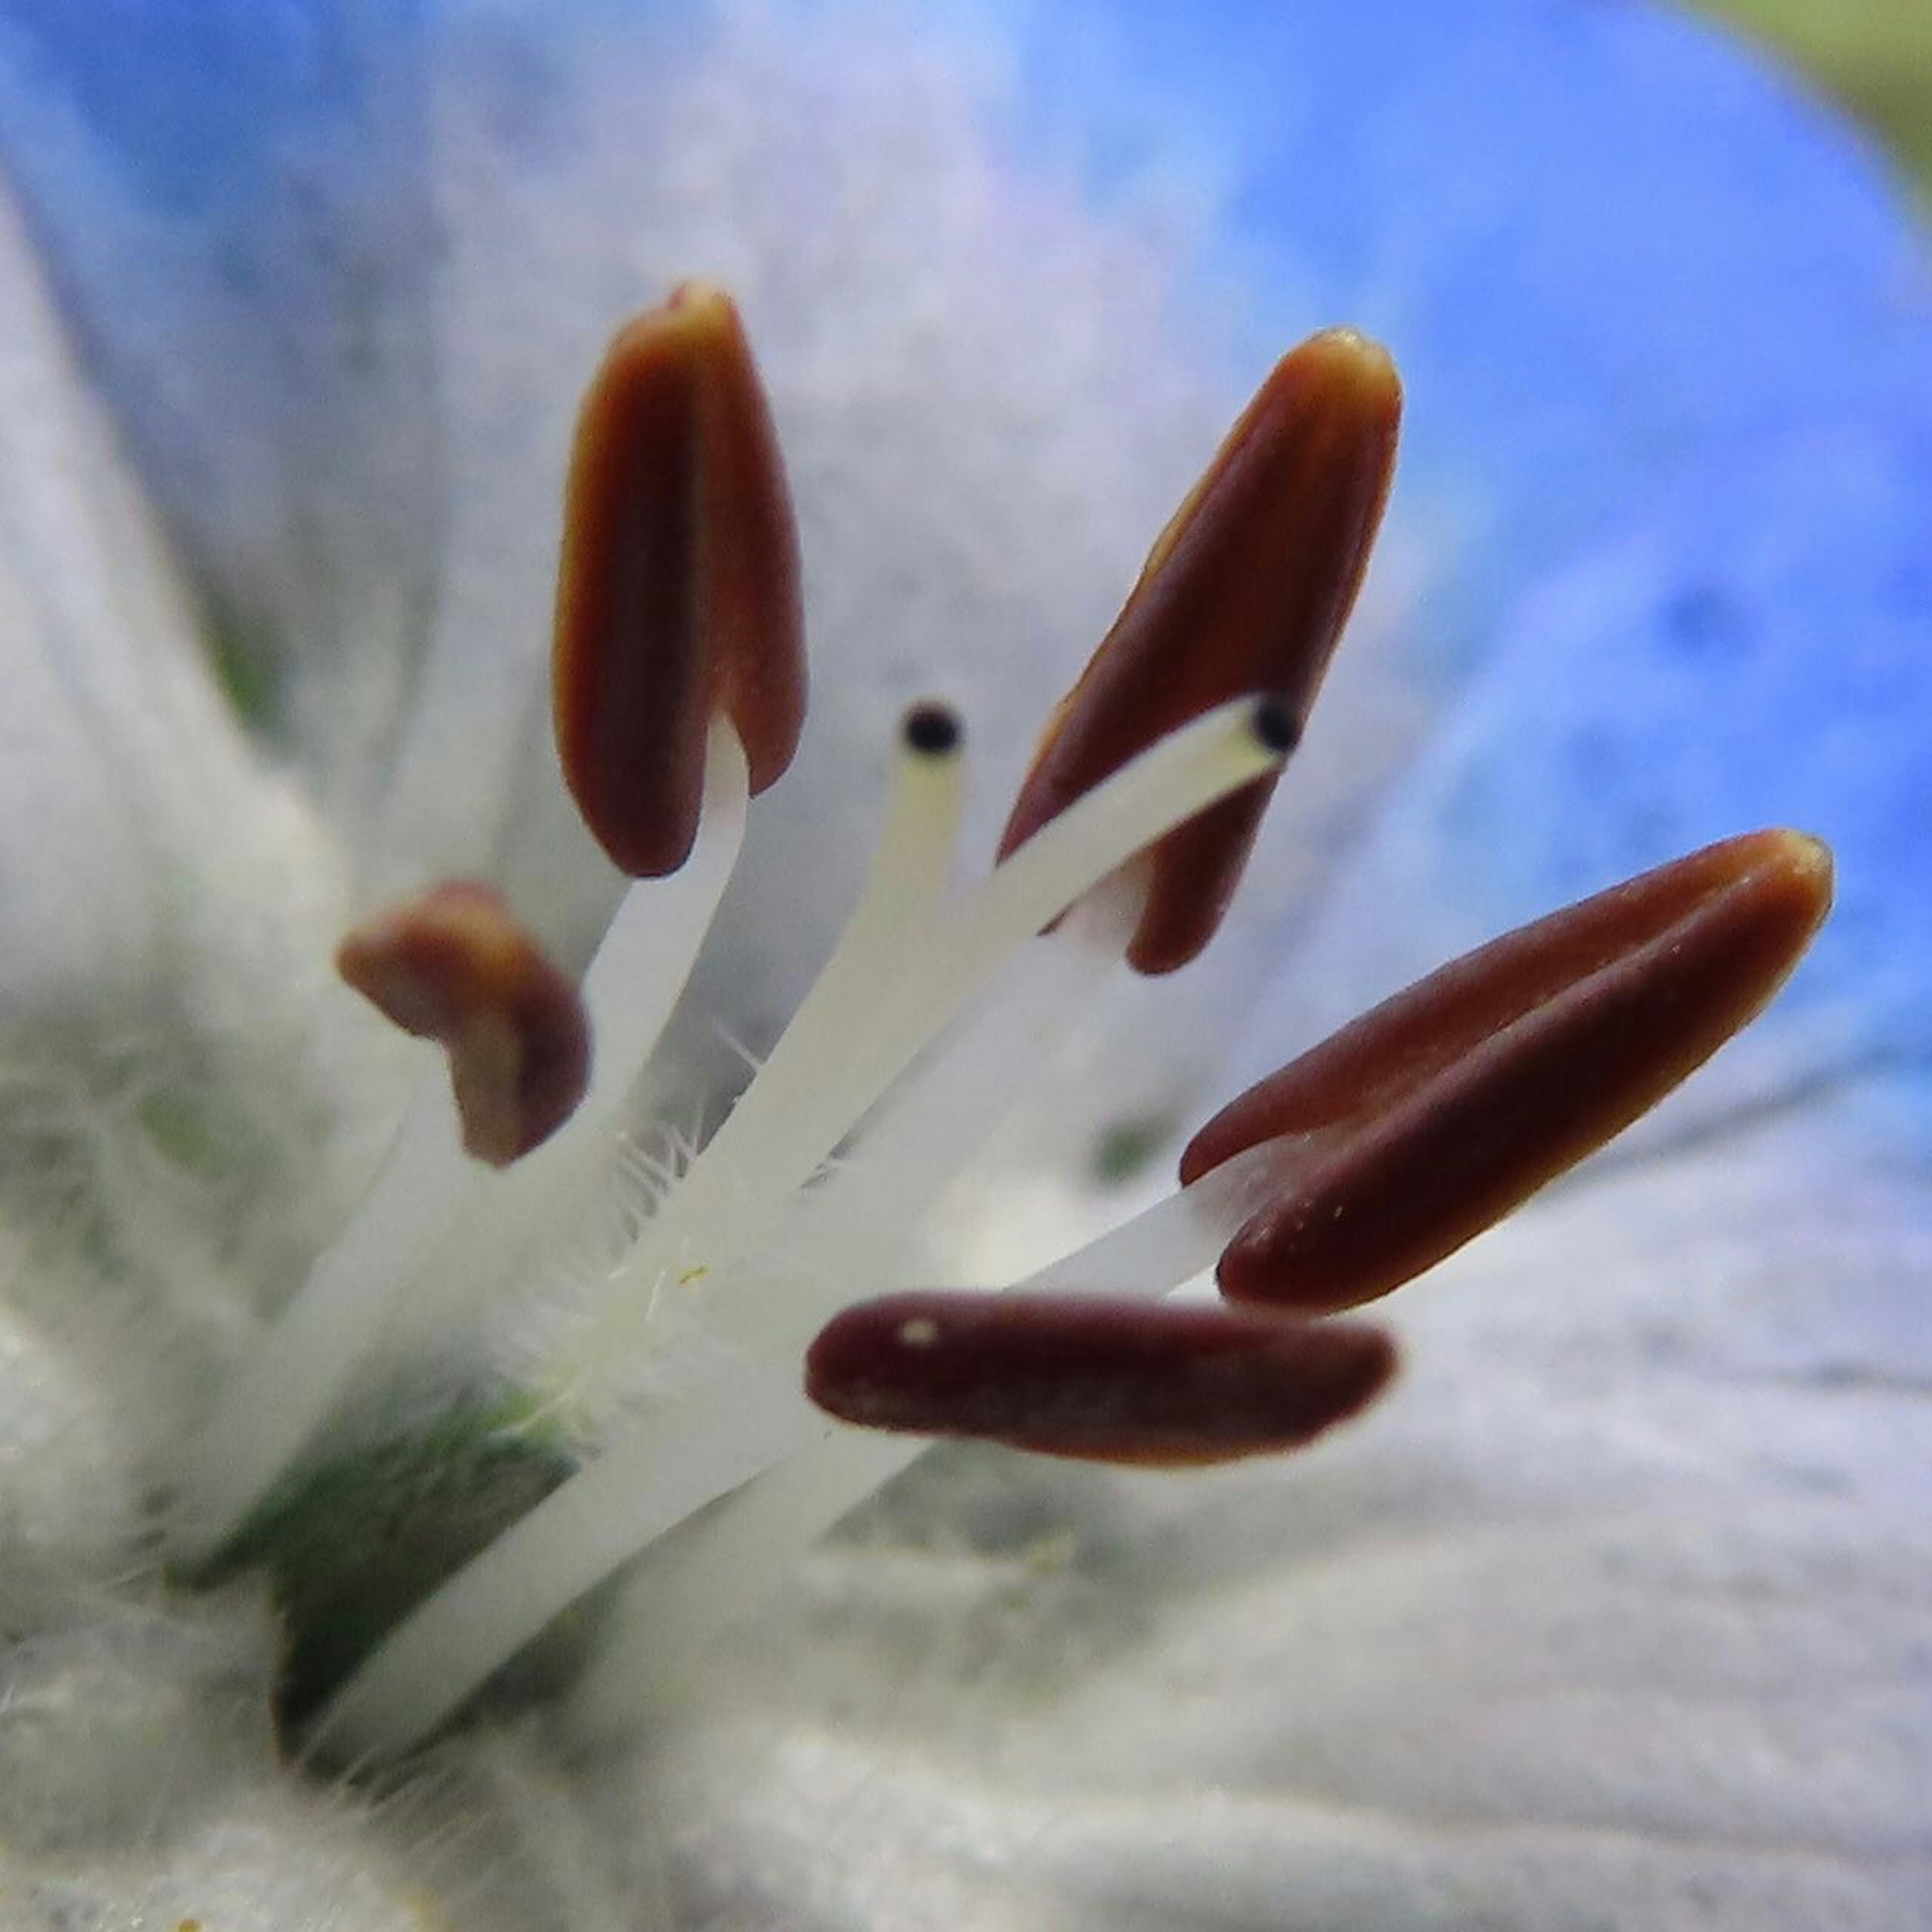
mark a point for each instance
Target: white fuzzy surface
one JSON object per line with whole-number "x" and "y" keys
{"x": 1612, "y": 1617}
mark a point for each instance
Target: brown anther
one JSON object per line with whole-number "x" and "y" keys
{"x": 678, "y": 594}
{"x": 1247, "y": 590}
{"x": 1150, "y": 1383}
{"x": 1436, "y": 1113}
{"x": 454, "y": 966}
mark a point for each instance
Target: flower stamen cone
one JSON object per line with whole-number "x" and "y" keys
{"x": 1248, "y": 588}
{"x": 657, "y": 1424}
{"x": 453, "y": 965}
{"x": 1440, "y": 1111}
{"x": 1110, "y": 1381}
{"x": 678, "y": 594}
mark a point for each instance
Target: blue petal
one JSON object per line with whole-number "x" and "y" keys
{"x": 1753, "y": 648}
{"x": 1600, "y": 239}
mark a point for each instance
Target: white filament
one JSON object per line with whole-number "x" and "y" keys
{"x": 688, "y": 1450}
{"x": 641, "y": 1482}
{"x": 286, "y": 1387}
{"x": 668, "y": 1613}
{"x": 655, "y": 1473}
{"x": 859, "y": 1231}
{"x": 1179, "y": 1237}
{"x": 905, "y": 966}
{"x": 666, "y": 1465}
{"x": 681, "y": 1597}
{"x": 426, "y": 1185}
{"x": 640, "y": 969}
{"x": 634, "y": 981}
{"x": 889, "y": 989}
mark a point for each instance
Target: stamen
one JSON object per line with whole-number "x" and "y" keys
{"x": 1248, "y": 588}
{"x": 680, "y": 691}
{"x": 667, "y": 1462}
{"x": 723, "y": 1565}
{"x": 650, "y": 1477}
{"x": 678, "y": 599}
{"x": 1103, "y": 1384}
{"x": 1099, "y": 1380}
{"x": 909, "y": 870}
{"x": 678, "y": 595}
{"x": 893, "y": 985}
{"x": 634, "y": 980}
{"x": 1710, "y": 937}
{"x": 454, "y": 966}
{"x": 1430, "y": 1117}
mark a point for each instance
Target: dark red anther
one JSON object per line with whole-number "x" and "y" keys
{"x": 454, "y": 966}
{"x": 678, "y": 594}
{"x": 1434, "y": 1114}
{"x": 1247, "y": 590}
{"x": 1150, "y": 1383}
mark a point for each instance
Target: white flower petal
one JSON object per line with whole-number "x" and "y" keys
{"x": 1615, "y": 1607}
{"x": 181, "y": 1096}
{"x": 233, "y": 200}
{"x": 125, "y": 777}
{"x": 96, "y": 648}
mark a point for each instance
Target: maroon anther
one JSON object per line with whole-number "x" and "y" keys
{"x": 1149, "y": 1383}
{"x": 678, "y": 594}
{"x": 1436, "y": 1113}
{"x": 454, "y": 966}
{"x": 1247, "y": 590}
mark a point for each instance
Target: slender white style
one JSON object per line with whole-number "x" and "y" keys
{"x": 876, "y": 1006}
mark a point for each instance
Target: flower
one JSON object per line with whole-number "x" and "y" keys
{"x": 1558, "y": 1614}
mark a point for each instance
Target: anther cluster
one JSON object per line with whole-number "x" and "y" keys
{"x": 760, "y": 1346}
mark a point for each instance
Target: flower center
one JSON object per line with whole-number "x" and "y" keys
{"x": 433, "y": 1498}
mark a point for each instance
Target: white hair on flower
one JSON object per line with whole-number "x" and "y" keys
{"x": 341, "y": 332}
